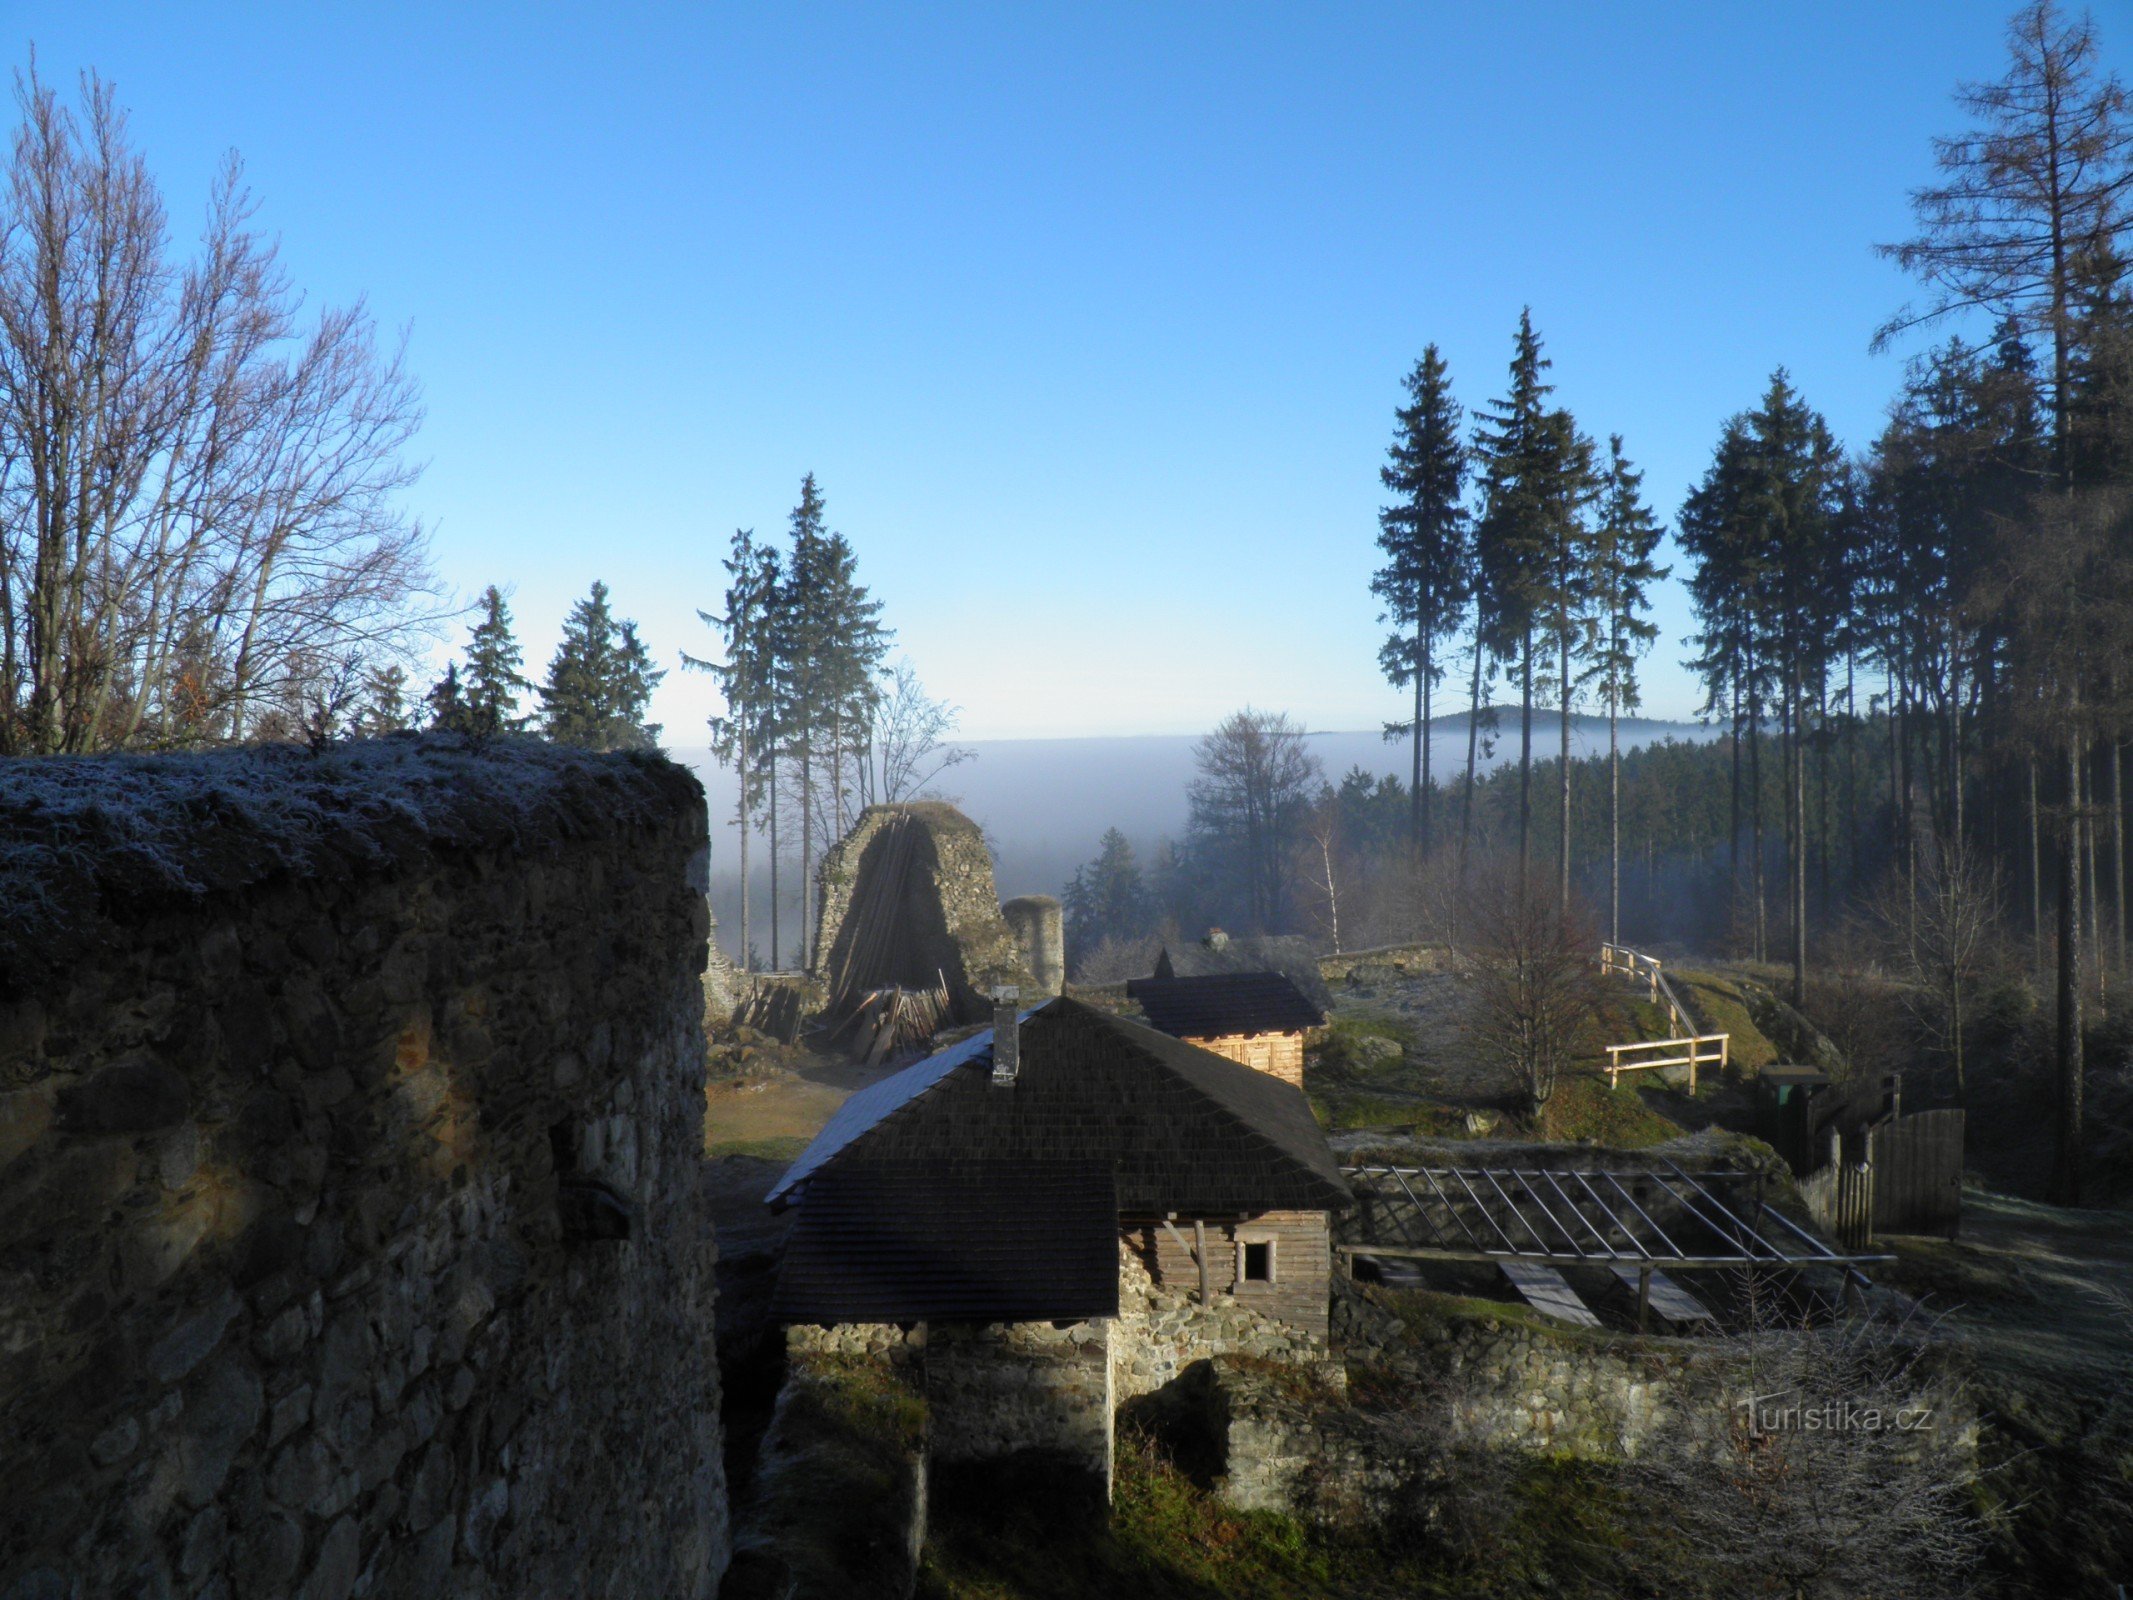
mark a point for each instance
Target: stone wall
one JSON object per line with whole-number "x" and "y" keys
{"x": 351, "y": 1234}
{"x": 1009, "y": 1387}
{"x": 839, "y": 1506}
{"x": 1162, "y": 1329}
{"x": 1513, "y": 1380}
{"x": 907, "y": 897}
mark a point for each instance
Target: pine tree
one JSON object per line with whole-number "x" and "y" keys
{"x": 1106, "y": 898}
{"x": 600, "y": 681}
{"x": 803, "y": 642}
{"x": 744, "y": 735}
{"x": 1425, "y": 582}
{"x": 630, "y": 694}
{"x": 385, "y": 708}
{"x": 1625, "y": 538}
{"x": 1563, "y": 602}
{"x": 448, "y": 703}
{"x": 493, "y": 682}
{"x": 1535, "y": 473}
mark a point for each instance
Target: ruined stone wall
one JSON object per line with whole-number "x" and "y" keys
{"x": 1162, "y": 1329}
{"x": 1006, "y": 1387}
{"x": 940, "y": 921}
{"x": 327, "y": 1085}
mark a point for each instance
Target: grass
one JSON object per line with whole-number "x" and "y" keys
{"x": 1544, "y": 1527}
{"x": 771, "y": 1117}
{"x": 1720, "y": 1005}
{"x": 1584, "y": 1108}
{"x": 776, "y": 1147}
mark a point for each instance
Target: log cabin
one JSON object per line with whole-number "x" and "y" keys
{"x": 1216, "y": 1177}
{"x": 1257, "y": 1019}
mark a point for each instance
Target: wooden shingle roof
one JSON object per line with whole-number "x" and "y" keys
{"x": 1225, "y": 1003}
{"x": 981, "y": 1240}
{"x": 1286, "y": 954}
{"x": 1181, "y": 1129}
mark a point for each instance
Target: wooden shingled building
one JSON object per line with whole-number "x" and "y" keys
{"x": 1257, "y": 1019}
{"x": 996, "y": 1182}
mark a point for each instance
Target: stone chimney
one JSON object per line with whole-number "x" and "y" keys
{"x": 1006, "y": 1035}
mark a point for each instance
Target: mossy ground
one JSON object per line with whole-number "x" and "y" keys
{"x": 1721, "y": 1008}
{"x": 1558, "y": 1528}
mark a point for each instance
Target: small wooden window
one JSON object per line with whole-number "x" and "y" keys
{"x": 1255, "y": 1264}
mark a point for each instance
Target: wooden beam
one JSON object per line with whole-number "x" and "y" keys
{"x": 1199, "y": 1239}
{"x": 1416, "y": 1252}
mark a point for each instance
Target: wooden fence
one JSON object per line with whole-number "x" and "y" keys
{"x": 1902, "y": 1174}
{"x": 1699, "y": 1050}
{"x": 1840, "y": 1197}
{"x": 1918, "y": 1172}
{"x": 1643, "y": 969}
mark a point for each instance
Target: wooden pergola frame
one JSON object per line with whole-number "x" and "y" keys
{"x": 1569, "y": 1218}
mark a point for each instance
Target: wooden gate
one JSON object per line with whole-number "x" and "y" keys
{"x": 1840, "y": 1198}
{"x": 1918, "y": 1172}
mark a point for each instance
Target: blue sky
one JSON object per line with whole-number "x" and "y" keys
{"x": 1090, "y": 321}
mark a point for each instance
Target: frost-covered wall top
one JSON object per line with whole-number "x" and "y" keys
{"x": 86, "y": 842}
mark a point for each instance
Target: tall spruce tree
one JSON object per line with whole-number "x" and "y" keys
{"x": 1515, "y": 457}
{"x": 1563, "y": 600}
{"x": 1106, "y": 898}
{"x": 447, "y": 702}
{"x": 744, "y": 735}
{"x": 1625, "y": 536}
{"x": 600, "y": 681}
{"x": 804, "y": 643}
{"x": 2039, "y": 189}
{"x": 493, "y": 681}
{"x": 1426, "y": 580}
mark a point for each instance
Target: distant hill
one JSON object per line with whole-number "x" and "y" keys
{"x": 1044, "y": 802}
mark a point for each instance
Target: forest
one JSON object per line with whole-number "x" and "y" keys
{"x": 1920, "y": 649}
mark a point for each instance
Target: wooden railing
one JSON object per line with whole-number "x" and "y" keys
{"x": 1645, "y": 970}
{"x": 1700, "y": 1050}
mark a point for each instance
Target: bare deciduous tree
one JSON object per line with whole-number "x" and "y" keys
{"x": 1247, "y": 804}
{"x": 198, "y": 496}
{"x": 907, "y": 744}
{"x": 1536, "y": 980}
{"x": 1941, "y": 933}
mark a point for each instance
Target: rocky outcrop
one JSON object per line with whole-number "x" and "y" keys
{"x": 351, "y": 1229}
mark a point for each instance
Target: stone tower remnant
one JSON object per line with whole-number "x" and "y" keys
{"x": 1038, "y": 927}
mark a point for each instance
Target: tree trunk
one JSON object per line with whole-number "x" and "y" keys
{"x": 1562, "y": 892}
{"x": 1798, "y": 785}
{"x": 1417, "y": 823}
{"x": 1525, "y": 770}
{"x": 773, "y": 858}
{"x": 741, "y": 820}
{"x": 2036, "y": 872}
{"x": 1427, "y": 782}
{"x": 1755, "y": 818}
{"x": 1614, "y": 823}
{"x": 1733, "y": 837}
{"x": 2066, "y": 1179}
{"x": 2118, "y": 848}
{"x": 807, "y": 850}
{"x": 1473, "y": 739}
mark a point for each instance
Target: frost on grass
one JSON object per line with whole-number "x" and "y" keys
{"x": 96, "y": 839}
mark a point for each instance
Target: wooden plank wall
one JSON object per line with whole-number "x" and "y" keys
{"x": 1301, "y": 1294}
{"x": 1918, "y": 1173}
{"x": 1279, "y": 1054}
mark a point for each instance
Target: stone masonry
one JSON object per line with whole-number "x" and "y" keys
{"x": 351, "y": 1237}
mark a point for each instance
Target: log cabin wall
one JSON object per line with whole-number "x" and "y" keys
{"x": 1301, "y": 1291}
{"x": 1279, "y": 1054}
